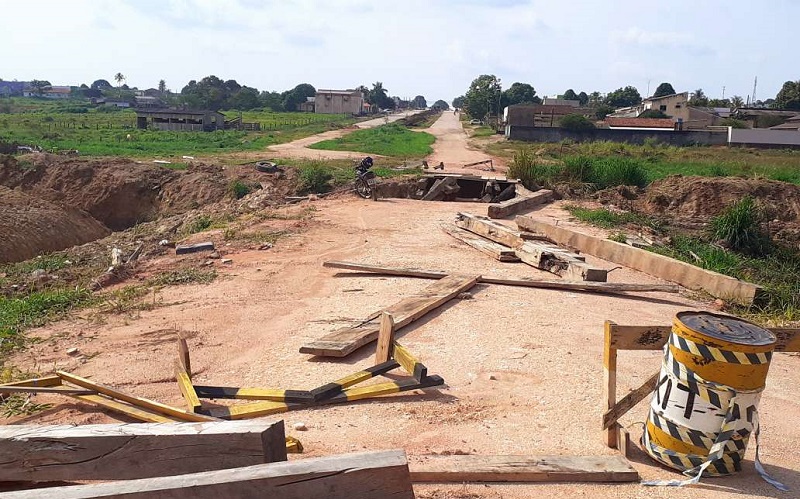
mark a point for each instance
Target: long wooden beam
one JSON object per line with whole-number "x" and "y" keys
{"x": 344, "y": 341}
{"x": 627, "y": 402}
{"x": 568, "y": 469}
{"x": 592, "y": 287}
{"x": 369, "y": 475}
{"x": 44, "y": 381}
{"x": 491, "y": 248}
{"x": 685, "y": 274}
{"x": 131, "y": 451}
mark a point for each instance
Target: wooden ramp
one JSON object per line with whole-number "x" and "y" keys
{"x": 344, "y": 341}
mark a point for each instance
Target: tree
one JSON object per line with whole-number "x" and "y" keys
{"x": 119, "y": 78}
{"x": 664, "y": 89}
{"x": 595, "y": 99}
{"x": 364, "y": 90}
{"x": 653, "y": 113}
{"x": 162, "y": 87}
{"x": 576, "y": 123}
{"x": 458, "y": 102}
{"x": 583, "y": 99}
{"x": 737, "y": 101}
{"x": 789, "y": 96}
{"x": 379, "y": 96}
{"x": 100, "y": 84}
{"x": 570, "y": 95}
{"x": 441, "y": 105}
{"x": 519, "y": 93}
{"x": 719, "y": 103}
{"x": 298, "y": 95}
{"x": 419, "y": 102}
{"x": 245, "y": 98}
{"x": 698, "y": 98}
{"x": 39, "y": 86}
{"x": 271, "y": 100}
{"x": 483, "y": 96}
{"x": 624, "y": 97}
{"x": 603, "y": 110}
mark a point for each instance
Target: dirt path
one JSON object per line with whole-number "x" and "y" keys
{"x": 299, "y": 148}
{"x": 453, "y": 149}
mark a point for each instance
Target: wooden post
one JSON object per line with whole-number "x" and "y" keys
{"x": 183, "y": 356}
{"x": 610, "y": 381}
{"x": 385, "y": 339}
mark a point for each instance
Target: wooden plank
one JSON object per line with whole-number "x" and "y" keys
{"x": 624, "y": 443}
{"x": 654, "y": 337}
{"x": 438, "y": 188}
{"x": 344, "y": 341}
{"x": 273, "y": 394}
{"x": 572, "y": 469}
{"x": 144, "y": 403}
{"x": 183, "y": 356}
{"x": 626, "y": 403}
{"x": 385, "y": 339}
{"x": 47, "y": 389}
{"x": 44, "y": 381}
{"x": 541, "y": 255}
{"x": 410, "y": 363}
{"x": 609, "y": 380}
{"x": 368, "y": 475}
{"x": 592, "y": 287}
{"x": 520, "y": 203}
{"x": 687, "y": 275}
{"x": 193, "y": 403}
{"x": 138, "y": 413}
{"x": 491, "y": 248}
{"x": 130, "y": 451}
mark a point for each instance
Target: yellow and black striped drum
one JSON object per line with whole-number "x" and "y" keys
{"x": 705, "y": 405}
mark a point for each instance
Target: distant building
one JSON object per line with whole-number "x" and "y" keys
{"x": 116, "y": 103}
{"x": 49, "y": 93}
{"x": 676, "y": 106}
{"x": 178, "y": 120}
{"x": 146, "y": 101}
{"x": 555, "y": 101}
{"x": 307, "y": 106}
{"x": 339, "y": 102}
{"x": 12, "y": 88}
{"x": 792, "y": 123}
{"x": 540, "y": 115}
{"x": 639, "y": 123}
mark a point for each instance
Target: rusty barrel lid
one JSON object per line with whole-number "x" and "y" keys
{"x": 726, "y": 328}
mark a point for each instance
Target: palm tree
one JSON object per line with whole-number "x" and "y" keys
{"x": 162, "y": 87}
{"x": 737, "y": 101}
{"x": 119, "y": 77}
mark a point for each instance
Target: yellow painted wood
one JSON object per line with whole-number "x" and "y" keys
{"x": 135, "y": 412}
{"x": 385, "y": 338}
{"x": 173, "y": 412}
{"x": 364, "y": 392}
{"x": 610, "y": 380}
{"x": 187, "y": 390}
{"x": 405, "y": 358}
{"x": 253, "y": 410}
{"x": 293, "y": 446}
{"x": 44, "y": 381}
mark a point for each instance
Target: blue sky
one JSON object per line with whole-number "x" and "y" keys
{"x": 434, "y": 47}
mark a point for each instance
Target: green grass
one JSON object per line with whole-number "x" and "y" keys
{"x": 602, "y": 217}
{"x": 483, "y": 131}
{"x": 660, "y": 161}
{"x": 739, "y": 226}
{"x": 182, "y": 276}
{"x": 388, "y": 140}
{"x": 596, "y": 173}
{"x": 99, "y": 132}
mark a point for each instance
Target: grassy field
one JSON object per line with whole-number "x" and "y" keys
{"x": 659, "y": 161}
{"x": 388, "y": 140}
{"x": 69, "y": 125}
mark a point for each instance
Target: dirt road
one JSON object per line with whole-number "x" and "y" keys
{"x": 523, "y": 367}
{"x": 299, "y": 148}
{"x": 453, "y": 149}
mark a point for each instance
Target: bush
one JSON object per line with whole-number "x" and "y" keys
{"x": 605, "y": 172}
{"x": 734, "y": 123}
{"x": 315, "y": 177}
{"x": 239, "y": 189}
{"x": 576, "y": 123}
{"x": 654, "y": 113}
{"x": 739, "y": 227}
{"x": 531, "y": 174}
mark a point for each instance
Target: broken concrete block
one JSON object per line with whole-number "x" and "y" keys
{"x": 183, "y": 249}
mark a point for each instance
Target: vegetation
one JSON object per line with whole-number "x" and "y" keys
{"x": 315, "y": 177}
{"x": 607, "y": 219}
{"x": 624, "y": 97}
{"x": 789, "y": 96}
{"x": 441, "y": 105}
{"x": 239, "y": 189}
{"x": 664, "y": 89}
{"x": 388, "y": 140}
{"x": 739, "y": 227}
{"x": 519, "y": 93}
{"x": 182, "y": 276}
{"x": 483, "y": 97}
{"x": 576, "y": 123}
{"x": 654, "y": 113}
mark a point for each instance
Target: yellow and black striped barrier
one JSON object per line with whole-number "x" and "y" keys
{"x": 271, "y": 394}
{"x": 705, "y": 406}
{"x": 329, "y": 390}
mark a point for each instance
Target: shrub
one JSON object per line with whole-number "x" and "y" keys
{"x": 654, "y": 113}
{"x": 239, "y": 189}
{"x": 532, "y": 175}
{"x": 200, "y": 224}
{"x": 576, "y": 123}
{"x": 734, "y": 123}
{"x": 315, "y": 177}
{"x": 605, "y": 172}
{"x": 739, "y": 227}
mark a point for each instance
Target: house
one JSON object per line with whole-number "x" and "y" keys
{"x": 792, "y": 123}
{"x": 540, "y": 115}
{"x": 53, "y": 92}
{"x": 338, "y": 102}
{"x": 639, "y": 123}
{"x": 116, "y": 103}
{"x": 180, "y": 120}
{"x": 676, "y": 106}
{"x": 763, "y": 118}
{"x": 307, "y": 106}
{"x": 146, "y": 101}
{"x": 555, "y": 101}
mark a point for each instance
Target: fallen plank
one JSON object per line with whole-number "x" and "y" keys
{"x": 521, "y": 202}
{"x": 47, "y": 389}
{"x": 491, "y": 248}
{"x": 685, "y": 274}
{"x": 541, "y": 255}
{"x": 344, "y": 341}
{"x": 369, "y": 475}
{"x": 193, "y": 403}
{"x": 130, "y": 451}
{"x": 44, "y": 381}
{"x": 150, "y": 405}
{"x": 438, "y": 189}
{"x": 183, "y": 249}
{"x": 627, "y": 402}
{"x": 571, "y": 469}
{"x": 592, "y": 287}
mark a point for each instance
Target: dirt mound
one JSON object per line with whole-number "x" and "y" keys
{"x": 31, "y": 226}
{"x": 702, "y": 198}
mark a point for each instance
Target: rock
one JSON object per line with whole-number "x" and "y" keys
{"x": 492, "y": 377}
{"x": 227, "y": 261}
{"x": 208, "y": 263}
{"x": 265, "y": 246}
{"x": 116, "y": 257}
{"x": 165, "y": 242}
{"x": 72, "y": 351}
{"x": 719, "y": 305}
{"x": 193, "y": 248}
{"x": 300, "y": 427}
{"x": 40, "y": 276}
{"x": 465, "y": 296}
{"x": 214, "y": 255}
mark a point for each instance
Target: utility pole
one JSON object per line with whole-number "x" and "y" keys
{"x": 723, "y": 92}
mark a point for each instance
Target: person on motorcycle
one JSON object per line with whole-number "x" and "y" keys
{"x": 364, "y": 165}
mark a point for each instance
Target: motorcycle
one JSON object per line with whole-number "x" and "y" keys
{"x": 365, "y": 182}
